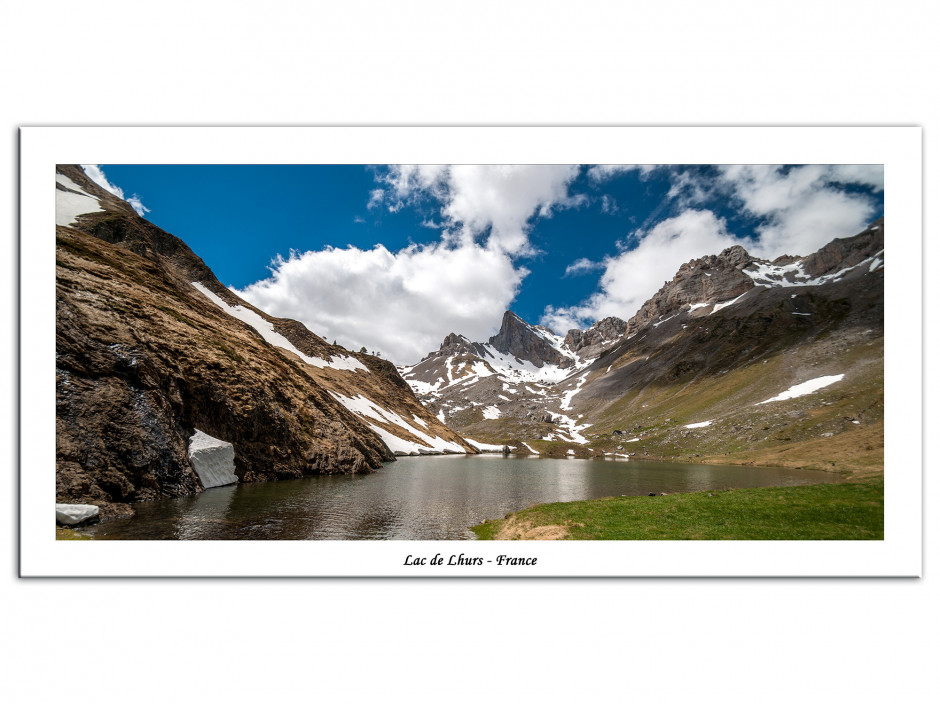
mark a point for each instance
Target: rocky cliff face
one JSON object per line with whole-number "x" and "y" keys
{"x": 529, "y": 343}
{"x": 708, "y": 279}
{"x": 150, "y": 346}
{"x": 843, "y": 253}
{"x": 590, "y": 342}
{"x": 717, "y": 279}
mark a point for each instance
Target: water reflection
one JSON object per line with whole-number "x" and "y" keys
{"x": 423, "y": 498}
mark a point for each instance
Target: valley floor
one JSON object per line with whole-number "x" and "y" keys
{"x": 855, "y": 455}
{"x": 850, "y": 510}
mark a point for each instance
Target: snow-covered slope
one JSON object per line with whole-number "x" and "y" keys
{"x": 72, "y": 201}
{"x": 526, "y": 375}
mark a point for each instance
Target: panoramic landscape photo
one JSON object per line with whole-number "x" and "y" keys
{"x": 606, "y": 351}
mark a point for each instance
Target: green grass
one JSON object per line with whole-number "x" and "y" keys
{"x": 807, "y": 512}
{"x": 63, "y": 534}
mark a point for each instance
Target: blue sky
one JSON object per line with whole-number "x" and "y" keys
{"x": 396, "y": 257}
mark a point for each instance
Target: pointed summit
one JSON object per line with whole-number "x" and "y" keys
{"x": 526, "y": 342}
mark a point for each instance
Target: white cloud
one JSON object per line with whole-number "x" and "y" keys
{"x": 580, "y": 266}
{"x": 603, "y": 172}
{"x": 688, "y": 189}
{"x": 499, "y": 200}
{"x": 137, "y": 205}
{"x": 404, "y": 303}
{"x": 96, "y": 174}
{"x": 376, "y": 196}
{"x": 633, "y": 276}
{"x": 400, "y": 303}
{"x": 866, "y": 174}
{"x": 801, "y": 208}
{"x": 609, "y": 205}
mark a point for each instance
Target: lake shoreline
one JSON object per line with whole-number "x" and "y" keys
{"x": 118, "y": 511}
{"x": 423, "y": 498}
{"x": 851, "y": 510}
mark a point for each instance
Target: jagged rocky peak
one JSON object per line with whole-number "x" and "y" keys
{"x": 707, "y": 279}
{"x": 454, "y": 341}
{"x": 526, "y": 342}
{"x": 455, "y": 344}
{"x": 735, "y": 256}
{"x": 600, "y": 334}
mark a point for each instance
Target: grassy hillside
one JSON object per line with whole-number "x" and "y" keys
{"x": 847, "y": 511}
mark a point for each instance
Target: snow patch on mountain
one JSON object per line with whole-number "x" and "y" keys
{"x": 569, "y": 395}
{"x": 725, "y": 304}
{"x": 572, "y": 428}
{"x": 484, "y": 447}
{"x": 804, "y": 388}
{"x": 73, "y": 203}
{"x": 399, "y": 446}
{"x": 266, "y": 330}
{"x": 765, "y": 274}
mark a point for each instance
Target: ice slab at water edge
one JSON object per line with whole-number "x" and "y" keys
{"x": 212, "y": 459}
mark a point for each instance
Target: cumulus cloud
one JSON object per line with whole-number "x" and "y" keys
{"x": 96, "y": 174}
{"x": 632, "y": 276}
{"x": 865, "y": 174}
{"x": 404, "y": 303}
{"x": 496, "y": 200}
{"x": 799, "y": 210}
{"x": 802, "y": 208}
{"x": 399, "y": 303}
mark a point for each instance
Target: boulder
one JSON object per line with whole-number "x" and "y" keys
{"x": 72, "y": 514}
{"x": 212, "y": 459}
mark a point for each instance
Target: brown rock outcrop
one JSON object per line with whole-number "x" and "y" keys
{"x": 143, "y": 358}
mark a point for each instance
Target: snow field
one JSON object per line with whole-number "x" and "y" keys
{"x": 804, "y": 388}
{"x": 68, "y": 205}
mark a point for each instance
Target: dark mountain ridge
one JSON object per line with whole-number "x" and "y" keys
{"x": 144, "y": 357}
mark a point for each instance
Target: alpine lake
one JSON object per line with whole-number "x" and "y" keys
{"x": 428, "y": 497}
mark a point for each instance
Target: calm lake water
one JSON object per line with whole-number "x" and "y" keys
{"x": 436, "y": 497}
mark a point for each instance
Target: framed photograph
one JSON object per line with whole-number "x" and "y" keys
{"x": 474, "y": 352}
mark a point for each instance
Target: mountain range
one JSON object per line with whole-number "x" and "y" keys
{"x": 158, "y": 365}
{"x": 696, "y": 372}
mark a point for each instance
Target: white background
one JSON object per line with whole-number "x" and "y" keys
{"x": 146, "y": 641}
{"x": 897, "y": 148}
